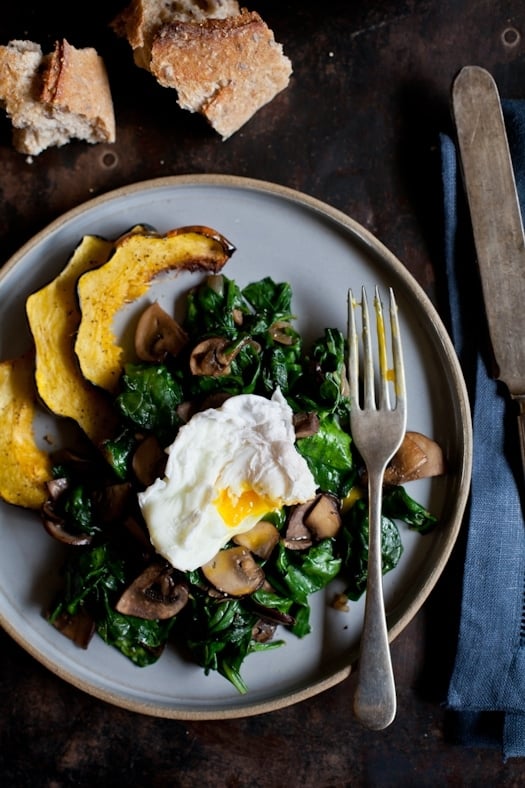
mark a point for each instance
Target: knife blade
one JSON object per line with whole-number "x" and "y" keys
{"x": 497, "y": 225}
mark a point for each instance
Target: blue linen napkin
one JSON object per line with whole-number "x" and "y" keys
{"x": 487, "y": 688}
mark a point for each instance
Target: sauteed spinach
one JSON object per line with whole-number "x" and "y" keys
{"x": 263, "y": 351}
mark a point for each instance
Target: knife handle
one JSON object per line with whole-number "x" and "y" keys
{"x": 520, "y": 400}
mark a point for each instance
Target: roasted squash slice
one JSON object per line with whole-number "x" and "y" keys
{"x": 137, "y": 259}
{"x": 24, "y": 467}
{"x": 54, "y": 316}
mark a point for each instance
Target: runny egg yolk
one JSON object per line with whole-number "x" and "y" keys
{"x": 235, "y": 508}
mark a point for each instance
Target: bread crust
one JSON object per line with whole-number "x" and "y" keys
{"x": 142, "y": 19}
{"x": 76, "y": 81}
{"x": 51, "y": 99}
{"x": 225, "y": 69}
{"x": 222, "y": 60}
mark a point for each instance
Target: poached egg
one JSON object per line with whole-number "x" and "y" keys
{"x": 226, "y": 469}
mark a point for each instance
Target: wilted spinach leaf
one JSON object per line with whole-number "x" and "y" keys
{"x": 149, "y": 398}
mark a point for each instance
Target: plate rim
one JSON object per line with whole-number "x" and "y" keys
{"x": 374, "y": 246}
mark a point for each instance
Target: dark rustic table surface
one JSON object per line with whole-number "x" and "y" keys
{"x": 358, "y": 128}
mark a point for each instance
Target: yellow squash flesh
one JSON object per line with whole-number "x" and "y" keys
{"x": 137, "y": 259}
{"x": 24, "y": 467}
{"x": 54, "y": 317}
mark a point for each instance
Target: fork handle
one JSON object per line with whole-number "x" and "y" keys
{"x": 375, "y": 696}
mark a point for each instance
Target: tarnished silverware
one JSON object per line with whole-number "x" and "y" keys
{"x": 497, "y": 225}
{"x": 378, "y": 429}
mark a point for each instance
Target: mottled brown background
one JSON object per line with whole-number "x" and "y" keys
{"x": 358, "y": 128}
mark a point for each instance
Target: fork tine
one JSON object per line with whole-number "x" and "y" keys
{"x": 384, "y": 396}
{"x": 368, "y": 360}
{"x": 397, "y": 354}
{"x": 353, "y": 352}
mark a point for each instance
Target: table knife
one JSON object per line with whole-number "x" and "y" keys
{"x": 497, "y": 225}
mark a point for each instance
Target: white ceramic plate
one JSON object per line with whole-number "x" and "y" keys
{"x": 321, "y": 252}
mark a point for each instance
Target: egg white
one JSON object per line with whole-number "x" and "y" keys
{"x": 227, "y": 467}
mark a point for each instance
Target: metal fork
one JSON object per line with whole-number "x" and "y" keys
{"x": 377, "y": 431}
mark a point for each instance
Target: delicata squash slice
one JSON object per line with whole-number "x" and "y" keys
{"x": 137, "y": 259}
{"x": 54, "y": 317}
{"x": 24, "y": 467}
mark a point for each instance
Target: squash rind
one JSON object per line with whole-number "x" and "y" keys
{"x": 24, "y": 467}
{"x": 54, "y": 317}
{"x": 137, "y": 259}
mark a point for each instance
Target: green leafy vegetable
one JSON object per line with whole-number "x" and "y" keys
{"x": 149, "y": 398}
{"x": 354, "y": 546}
{"x": 329, "y": 457}
{"x": 266, "y": 353}
{"x": 400, "y": 506}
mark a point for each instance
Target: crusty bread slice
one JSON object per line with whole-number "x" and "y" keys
{"x": 52, "y": 99}
{"x": 142, "y": 19}
{"x": 226, "y": 69}
{"x": 222, "y": 60}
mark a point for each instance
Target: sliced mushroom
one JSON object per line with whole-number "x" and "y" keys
{"x": 185, "y": 410}
{"x": 214, "y": 400}
{"x": 79, "y": 627}
{"x": 323, "y": 518}
{"x": 274, "y": 616}
{"x": 418, "y": 457}
{"x": 112, "y": 501}
{"x": 340, "y": 602}
{"x": 263, "y": 631}
{"x": 213, "y": 356}
{"x": 56, "y": 487}
{"x": 158, "y": 335}
{"x": 260, "y": 540}
{"x": 157, "y": 593}
{"x": 234, "y": 571}
{"x": 137, "y": 530}
{"x": 297, "y": 535}
{"x": 238, "y": 317}
{"x": 279, "y": 332}
{"x": 55, "y": 526}
{"x": 149, "y": 461}
{"x": 305, "y": 424}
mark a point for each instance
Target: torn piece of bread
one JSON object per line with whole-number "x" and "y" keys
{"x": 52, "y": 99}
{"x": 223, "y": 61}
{"x": 142, "y": 19}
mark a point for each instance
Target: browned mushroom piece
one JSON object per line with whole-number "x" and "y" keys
{"x": 280, "y": 334}
{"x": 323, "y": 518}
{"x": 56, "y": 487}
{"x": 55, "y": 526}
{"x": 112, "y": 501}
{"x": 234, "y": 571}
{"x": 263, "y": 631}
{"x": 135, "y": 527}
{"x": 216, "y": 283}
{"x": 79, "y": 627}
{"x": 274, "y": 616}
{"x": 157, "y": 593}
{"x": 214, "y": 400}
{"x": 213, "y": 356}
{"x": 158, "y": 335}
{"x": 297, "y": 535}
{"x": 149, "y": 461}
{"x": 305, "y": 424}
{"x": 238, "y": 317}
{"x": 418, "y": 457}
{"x": 260, "y": 540}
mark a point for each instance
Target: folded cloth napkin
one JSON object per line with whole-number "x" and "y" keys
{"x": 487, "y": 687}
